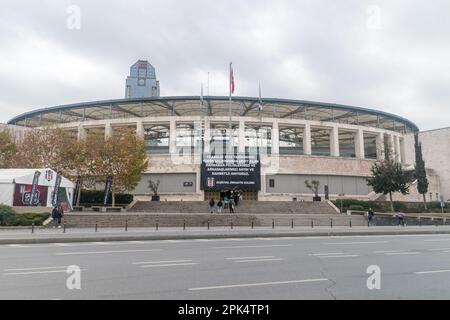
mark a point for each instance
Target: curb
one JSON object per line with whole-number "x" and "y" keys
{"x": 215, "y": 236}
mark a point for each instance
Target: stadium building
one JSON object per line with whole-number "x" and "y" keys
{"x": 274, "y": 145}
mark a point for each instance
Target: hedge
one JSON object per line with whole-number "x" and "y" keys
{"x": 95, "y": 197}
{"x": 385, "y": 206}
{"x": 8, "y": 217}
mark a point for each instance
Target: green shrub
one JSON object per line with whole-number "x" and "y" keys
{"x": 356, "y": 207}
{"x": 27, "y": 219}
{"x": 7, "y": 215}
{"x": 95, "y": 197}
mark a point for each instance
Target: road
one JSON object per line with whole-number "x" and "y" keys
{"x": 412, "y": 267}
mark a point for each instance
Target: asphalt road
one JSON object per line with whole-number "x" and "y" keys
{"x": 412, "y": 267}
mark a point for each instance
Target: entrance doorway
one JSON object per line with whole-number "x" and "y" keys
{"x": 216, "y": 195}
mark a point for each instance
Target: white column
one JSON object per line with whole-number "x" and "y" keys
{"x": 359, "y": 144}
{"x": 81, "y": 132}
{"x": 391, "y": 146}
{"x": 206, "y": 136}
{"x": 140, "y": 129}
{"x": 241, "y": 136}
{"x": 307, "y": 139}
{"x": 334, "y": 142}
{"x": 172, "y": 136}
{"x": 402, "y": 150}
{"x": 108, "y": 130}
{"x": 275, "y": 138}
{"x": 397, "y": 148}
{"x": 380, "y": 146}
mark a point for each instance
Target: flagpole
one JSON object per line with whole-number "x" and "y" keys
{"x": 229, "y": 110}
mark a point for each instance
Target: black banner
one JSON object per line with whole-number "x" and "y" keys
{"x": 107, "y": 190}
{"x": 33, "y": 195}
{"x": 77, "y": 190}
{"x": 56, "y": 189}
{"x": 241, "y": 171}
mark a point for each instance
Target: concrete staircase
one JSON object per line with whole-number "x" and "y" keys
{"x": 255, "y": 207}
{"x": 133, "y": 220}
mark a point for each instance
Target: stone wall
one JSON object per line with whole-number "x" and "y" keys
{"x": 436, "y": 153}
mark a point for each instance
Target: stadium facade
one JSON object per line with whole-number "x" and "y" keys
{"x": 290, "y": 141}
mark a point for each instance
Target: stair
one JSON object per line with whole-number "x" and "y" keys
{"x": 255, "y": 207}
{"x": 134, "y": 220}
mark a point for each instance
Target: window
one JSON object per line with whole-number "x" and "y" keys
{"x": 271, "y": 183}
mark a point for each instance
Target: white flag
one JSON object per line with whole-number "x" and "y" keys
{"x": 260, "y": 105}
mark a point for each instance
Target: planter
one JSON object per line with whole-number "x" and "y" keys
{"x": 317, "y": 199}
{"x": 155, "y": 198}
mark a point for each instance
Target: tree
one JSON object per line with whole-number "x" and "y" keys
{"x": 47, "y": 147}
{"x": 420, "y": 172}
{"x": 154, "y": 186}
{"x": 388, "y": 177}
{"x": 8, "y": 149}
{"x": 123, "y": 157}
{"x": 313, "y": 186}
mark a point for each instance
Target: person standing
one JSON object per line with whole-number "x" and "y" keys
{"x": 60, "y": 215}
{"x": 225, "y": 202}
{"x": 236, "y": 198}
{"x": 55, "y": 214}
{"x": 370, "y": 215}
{"x": 231, "y": 205}
{"x": 211, "y": 205}
{"x": 401, "y": 218}
{"x": 219, "y": 206}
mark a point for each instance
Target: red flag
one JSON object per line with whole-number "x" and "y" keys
{"x": 231, "y": 78}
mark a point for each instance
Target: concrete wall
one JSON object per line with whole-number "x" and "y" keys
{"x": 295, "y": 183}
{"x": 169, "y": 182}
{"x": 436, "y": 153}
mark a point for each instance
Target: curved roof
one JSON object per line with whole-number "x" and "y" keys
{"x": 216, "y": 106}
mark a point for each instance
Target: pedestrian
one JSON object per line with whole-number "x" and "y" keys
{"x": 225, "y": 202}
{"x": 55, "y": 216}
{"x": 231, "y": 206}
{"x": 60, "y": 215}
{"x": 219, "y": 206}
{"x": 236, "y": 198}
{"x": 211, "y": 205}
{"x": 401, "y": 218}
{"x": 370, "y": 215}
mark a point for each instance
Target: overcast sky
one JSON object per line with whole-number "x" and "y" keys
{"x": 387, "y": 55}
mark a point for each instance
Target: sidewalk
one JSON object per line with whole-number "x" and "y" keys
{"x": 22, "y": 236}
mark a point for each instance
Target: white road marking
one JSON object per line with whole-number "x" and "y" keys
{"x": 326, "y": 254}
{"x": 435, "y": 271}
{"x": 169, "y": 265}
{"x": 40, "y": 268}
{"x": 400, "y": 253}
{"x": 260, "y": 257}
{"x": 137, "y": 242}
{"x": 259, "y": 260}
{"x": 62, "y": 244}
{"x": 262, "y": 246}
{"x": 17, "y": 245}
{"x": 433, "y": 240}
{"x": 439, "y": 249}
{"x": 389, "y": 251}
{"x": 340, "y": 256}
{"x": 364, "y": 242}
{"x": 37, "y": 272}
{"x": 104, "y": 252}
{"x": 164, "y": 261}
{"x": 258, "y": 284}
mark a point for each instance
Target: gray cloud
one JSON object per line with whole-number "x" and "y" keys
{"x": 316, "y": 50}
